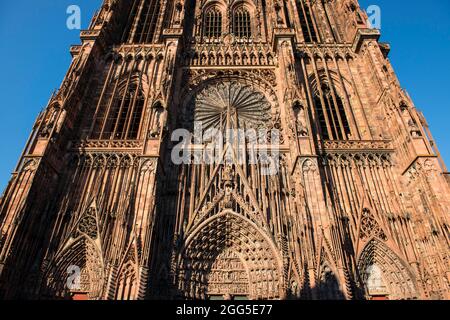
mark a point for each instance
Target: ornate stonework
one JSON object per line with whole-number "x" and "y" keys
{"x": 245, "y": 106}
{"x": 356, "y": 209}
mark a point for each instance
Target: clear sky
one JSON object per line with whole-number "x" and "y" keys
{"x": 34, "y": 57}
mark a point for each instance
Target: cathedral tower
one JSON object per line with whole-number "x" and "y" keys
{"x": 352, "y": 203}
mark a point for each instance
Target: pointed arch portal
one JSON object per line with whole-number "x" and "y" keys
{"x": 230, "y": 257}
{"x": 384, "y": 274}
{"x": 78, "y": 272}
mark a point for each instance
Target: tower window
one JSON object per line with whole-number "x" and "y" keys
{"x": 331, "y": 116}
{"x": 213, "y": 23}
{"x": 145, "y": 19}
{"x": 135, "y": 117}
{"x": 306, "y": 22}
{"x": 124, "y": 118}
{"x": 242, "y": 23}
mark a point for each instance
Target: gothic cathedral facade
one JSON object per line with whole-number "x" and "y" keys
{"x": 357, "y": 209}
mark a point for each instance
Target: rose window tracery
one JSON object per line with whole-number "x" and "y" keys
{"x": 88, "y": 224}
{"x": 228, "y": 248}
{"x": 370, "y": 227}
{"x": 231, "y": 105}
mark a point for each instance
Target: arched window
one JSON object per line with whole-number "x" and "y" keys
{"x": 331, "y": 115}
{"x": 212, "y": 23}
{"x": 242, "y": 23}
{"x": 143, "y": 21}
{"x": 306, "y": 22}
{"x": 124, "y": 117}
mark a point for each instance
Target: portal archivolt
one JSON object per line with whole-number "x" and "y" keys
{"x": 230, "y": 256}
{"x": 63, "y": 280}
{"x": 393, "y": 277}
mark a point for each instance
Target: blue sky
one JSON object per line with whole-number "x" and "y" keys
{"x": 34, "y": 57}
